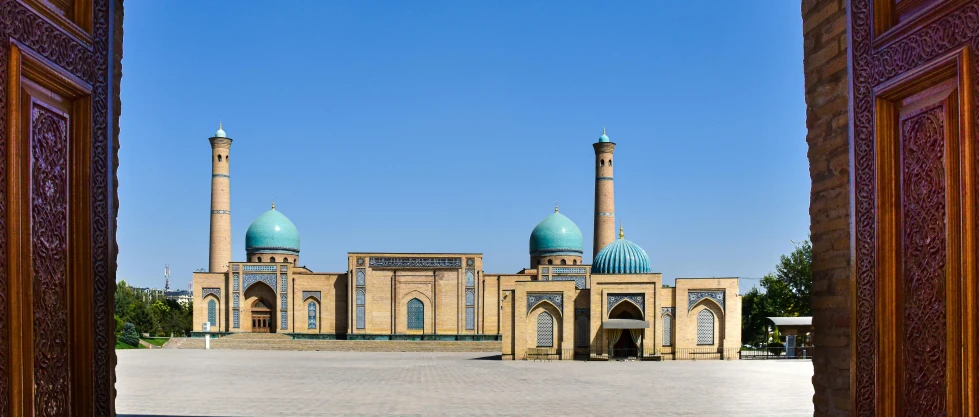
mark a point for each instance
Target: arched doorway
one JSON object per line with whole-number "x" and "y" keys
{"x": 259, "y": 309}
{"x": 261, "y": 317}
{"x": 625, "y": 343}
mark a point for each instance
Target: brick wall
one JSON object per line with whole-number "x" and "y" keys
{"x": 826, "y": 86}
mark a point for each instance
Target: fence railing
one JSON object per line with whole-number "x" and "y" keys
{"x": 799, "y": 352}
{"x": 548, "y": 354}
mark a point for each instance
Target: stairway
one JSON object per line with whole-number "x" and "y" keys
{"x": 273, "y": 341}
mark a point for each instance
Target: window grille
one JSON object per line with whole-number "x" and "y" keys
{"x": 212, "y": 312}
{"x": 470, "y": 318}
{"x": 416, "y": 315}
{"x": 470, "y": 297}
{"x": 312, "y": 315}
{"x": 705, "y": 327}
{"x": 470, "y": 277}
{"x": 361, "y": 277}
{"x": 581, "y": 328}
{"x": 360, "y": 317}
{"x": 545, "y": 330}
{"x": 667, "y": 330}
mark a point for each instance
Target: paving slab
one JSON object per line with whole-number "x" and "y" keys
{"x": 164, "y": 382}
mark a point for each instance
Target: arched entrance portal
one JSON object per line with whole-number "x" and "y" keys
{"x": 261, "y": 317}
{"x": 625, "y": 342}
{"x": 258, "y": 310}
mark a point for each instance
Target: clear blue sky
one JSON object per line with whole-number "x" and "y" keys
{"x": 454, "y": 126}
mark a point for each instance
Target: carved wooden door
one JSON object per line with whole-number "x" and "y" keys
{"x": 913, "y": 75}
{"x": 58, "y": 208}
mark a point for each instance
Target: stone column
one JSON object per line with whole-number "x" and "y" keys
{"x": 220, "y": 251}
{"x": 604, "y": 196}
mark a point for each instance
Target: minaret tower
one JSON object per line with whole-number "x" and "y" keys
{"x": 220, "y": 254}
{"x": 604, "y": 194}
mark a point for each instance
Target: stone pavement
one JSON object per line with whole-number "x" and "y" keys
{"x": 303, "y": 383}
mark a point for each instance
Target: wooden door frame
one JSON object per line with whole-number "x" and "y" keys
{"x": 85, "y": 48}
{"x": 881, "y": 53}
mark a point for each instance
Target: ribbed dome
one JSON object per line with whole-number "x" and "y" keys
{"x": 272, "y": 232}
{"x": 621, "y": 257}
{"x": 556, "y": 235}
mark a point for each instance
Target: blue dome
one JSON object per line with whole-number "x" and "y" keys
{"x": 604, "y": 137}
{"x": 220, "y": 133}
{"x": 272, "y": 232}
{"x": 556, "y": 235}
{"x": 621, "y": 257}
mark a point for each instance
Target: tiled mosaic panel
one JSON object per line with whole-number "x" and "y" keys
{"x": 705, "y": 327}
{"x": 470, "y": 318}
{"x": 545, "y": 330}
{"x": 416, "y": 315}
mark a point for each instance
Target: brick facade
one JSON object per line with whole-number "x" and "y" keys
{"x": 827, "y": 120}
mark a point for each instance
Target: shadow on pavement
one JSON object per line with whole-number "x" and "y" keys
{"x": 488, "y": 358}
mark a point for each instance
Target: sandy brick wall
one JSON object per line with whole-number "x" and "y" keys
{"x": 827, "y": 118}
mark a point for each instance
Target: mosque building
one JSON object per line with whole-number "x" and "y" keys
{"x": 559, "y": 306}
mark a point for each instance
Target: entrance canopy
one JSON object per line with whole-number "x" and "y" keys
{"x": 625, "y": 324}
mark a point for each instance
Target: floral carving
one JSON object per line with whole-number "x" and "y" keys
{"x": 49, "y": 258}
{"x": 923, "y": 195}
{"x": 869, "y": 68}
{"x": 41, "y": 36}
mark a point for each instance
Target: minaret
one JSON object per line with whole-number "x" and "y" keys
{"x": 220, "y": 254}
{"x": 604, "y": 194}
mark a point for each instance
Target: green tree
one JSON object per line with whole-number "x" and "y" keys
{"x": 129, "y": 335}
{"x": 786, "y": 294}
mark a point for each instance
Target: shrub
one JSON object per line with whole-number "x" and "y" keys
{"x": 129, "y": 335}
{"x": 776, "y": 348}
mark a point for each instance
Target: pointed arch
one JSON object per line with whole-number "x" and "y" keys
{"x": 545, "y": 329}
{"x": 705, "y": 327}
{"x": 416, "y": 314}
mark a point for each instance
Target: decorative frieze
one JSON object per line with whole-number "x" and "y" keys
{"x": 259, "y": 268}
{"x": 606, "y": 214}
{"x": 534, "y": 298}
{"x": 693, "y": 297}
{"x": 568, "y": 270}
{"x": 248, "y": 279}
{"x": 206, "y": 291}
{"x": 220, "y": 211}
{"x": 579, "y": 280}
{"x": 235, "y": 267}
{"x": 392, "y": 262}
{"x": 604, "y": 178}
{"x": 283, "y": 268}
{"x": 638, "y": 299}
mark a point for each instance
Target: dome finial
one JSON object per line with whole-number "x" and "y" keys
{"x": 621, "y": 231}
{"x": 603, "y": 129}
{"x": 221, "y": 126}
{"x": 273, "y": 203}
{"x": 555, "y": 206}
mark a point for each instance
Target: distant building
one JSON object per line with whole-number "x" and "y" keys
{"x": 181, "y": 296}
{"x": 616, "y": 307}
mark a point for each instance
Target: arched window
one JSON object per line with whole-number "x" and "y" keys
{"x": 259, "y": 259}
{"x": 574, "y": 262}
{"x": 705, "y": 327}
{"x": 416, "y": 315}
{"x": 212, "y": 312}
{"x": 312, "y": 315}
{"x": 227, "y": 158}
{"x": 219, "y": 157}
{"x": 610, "y": 162}
{"x": 271, "y": 259}
{"x": 603, "y": 162}
{"x": 545, "y": 330}
{"x": 361, "y": 309}
{"x": 286, "y": 260}
{"x": 294, "y": 261}
{"x": 550, "y": 262}
{"x": 667, "y": 330}
{"x": 564, "y": 262}
{"x": 581, "y": 331}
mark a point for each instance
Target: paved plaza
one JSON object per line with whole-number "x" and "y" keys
{"x": 292, "y": 383}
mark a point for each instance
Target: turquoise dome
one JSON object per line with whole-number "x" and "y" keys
{"x": 604, "y": 137}
{"x": 220, "y": 133}
{"x": 556, "y": 235}
{"x": 621, "y": 257}
{"x": 272, "y": 232}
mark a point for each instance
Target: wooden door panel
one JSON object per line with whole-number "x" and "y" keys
{"x": 57, "y": 206}
{"x": 915, "y": 196}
